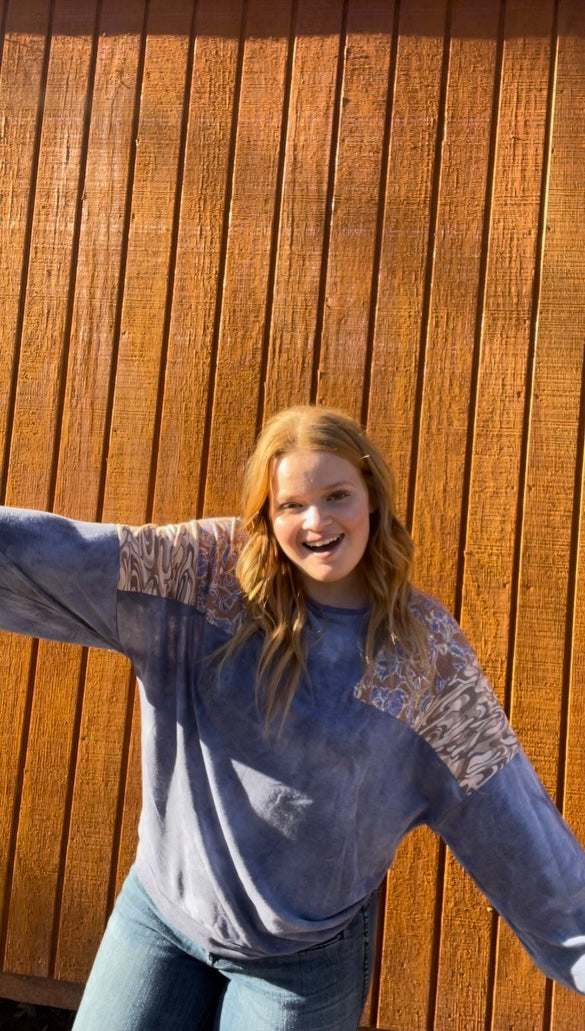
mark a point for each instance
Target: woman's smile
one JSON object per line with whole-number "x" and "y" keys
{"x": 322, "y": 546}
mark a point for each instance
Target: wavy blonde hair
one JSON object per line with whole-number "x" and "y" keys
{"x": 269, "y": 581}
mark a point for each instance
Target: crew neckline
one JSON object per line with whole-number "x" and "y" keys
{"x": 336, "y": 610}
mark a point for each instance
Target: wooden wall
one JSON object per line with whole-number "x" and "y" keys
{"x": 210, "y": 210}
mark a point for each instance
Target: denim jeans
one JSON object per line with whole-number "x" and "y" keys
{"x": 149, "y": 977}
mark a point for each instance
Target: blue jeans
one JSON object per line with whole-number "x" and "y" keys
{"x": 149, "y": 977}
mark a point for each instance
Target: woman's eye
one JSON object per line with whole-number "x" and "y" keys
{"x": 338, "y": 495}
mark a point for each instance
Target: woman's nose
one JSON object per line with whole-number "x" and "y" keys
{"x": 314, "y": 517}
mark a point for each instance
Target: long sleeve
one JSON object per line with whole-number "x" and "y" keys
{"x": 58, "y": 578}
{"x": 493, "y": 812}
{"x": 513, "y": 841}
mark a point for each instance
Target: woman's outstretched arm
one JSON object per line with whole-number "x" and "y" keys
{"x": 58, "y": 578}
{"x": 495, "y": 815}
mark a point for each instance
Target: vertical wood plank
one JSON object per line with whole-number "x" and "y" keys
{"x": 91, "y": 863}
{"x": 189, "y": 364}
{"x": 240, "y": 353}
{"x": 541, "y": 672}
{"x": 42, "y": 815}
{"x": 100, "y": 265}
{"x": 295, "y": 309}
{"x": 59, "y": 669}
{"x": 37, "y": 403}
{"x": 43, "y": 351}
{"x": 540, "y": 639}
{"x": 45, "y": 783}
{"x": 445, "y": 406}
{"x": 506, "y": 348}
{"x": 21, "y": 85}
{"x": 405, "y": 981}
{"x": 467, "y": 928}
{"x": 406, "y": 978}
{"x": 95, "y": 326}
{"x": 456, "y": 311}
{"x": 142, "y": 343}
{"x": 350, "y": 271}
{"x": 408, "y": 223}
{"x": 454, "y": 296}
{"x": 190, "y": 359}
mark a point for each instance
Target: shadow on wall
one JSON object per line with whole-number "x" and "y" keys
{"x": 21, "y": 1016}
{"x": 365, "y": 17}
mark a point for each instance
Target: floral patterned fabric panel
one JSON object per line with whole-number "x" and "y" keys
{"x": 193, "y": 563}
{"x": 452, "y": 705}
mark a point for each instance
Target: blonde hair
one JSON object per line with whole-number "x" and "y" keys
{"x": 274, "y": 598}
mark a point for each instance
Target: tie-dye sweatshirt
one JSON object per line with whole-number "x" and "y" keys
{"x": 263, "y": 845}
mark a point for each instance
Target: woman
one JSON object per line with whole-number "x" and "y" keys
{"x": 303, "y": 708}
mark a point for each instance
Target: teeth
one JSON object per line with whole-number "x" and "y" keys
{"x": 320, "y": 545}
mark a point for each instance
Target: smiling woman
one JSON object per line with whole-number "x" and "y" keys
{"x": 303, "y": 708}
{"x": 315, "y": 474}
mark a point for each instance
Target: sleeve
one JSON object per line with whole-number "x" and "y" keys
{"x": 58, "y": 578}
{"x": 513, "y": 842}
{"x": 494, "y": 813}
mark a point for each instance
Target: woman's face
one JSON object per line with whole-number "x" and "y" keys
{"x": 320, "y": 514}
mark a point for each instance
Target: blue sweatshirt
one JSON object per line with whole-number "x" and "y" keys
{"x": 260, "y": 845}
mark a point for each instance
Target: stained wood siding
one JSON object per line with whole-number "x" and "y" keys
{"x": 209, "y": 211}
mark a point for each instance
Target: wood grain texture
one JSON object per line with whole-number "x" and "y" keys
{"x": 441, "y": 473}
{"x": 199, "y": 269}
{"x": 92, "y": 361}
{"x": 503, "y": 381}
{"x": 406, "y": 983}
{"x": 354, "y": 223}
{"x": 109, "y": 694}
{"x": 297, "y": 306}
{"x": 22, "y": 83}
{"x": 449, "y": 351}
{"x": 543, "y": 646}
{"x": 143, "y": 334}
{"x": 254, "y": 201}
{"x": 211, "y": 210}
{"x": 407, "y": 241}
{"x": 43, "y": 356}
{"x": 191, "y": 312}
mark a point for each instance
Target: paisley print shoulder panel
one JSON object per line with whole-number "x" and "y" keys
{"x": 453, "y": 708}
{"x": 193, "y": 563}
